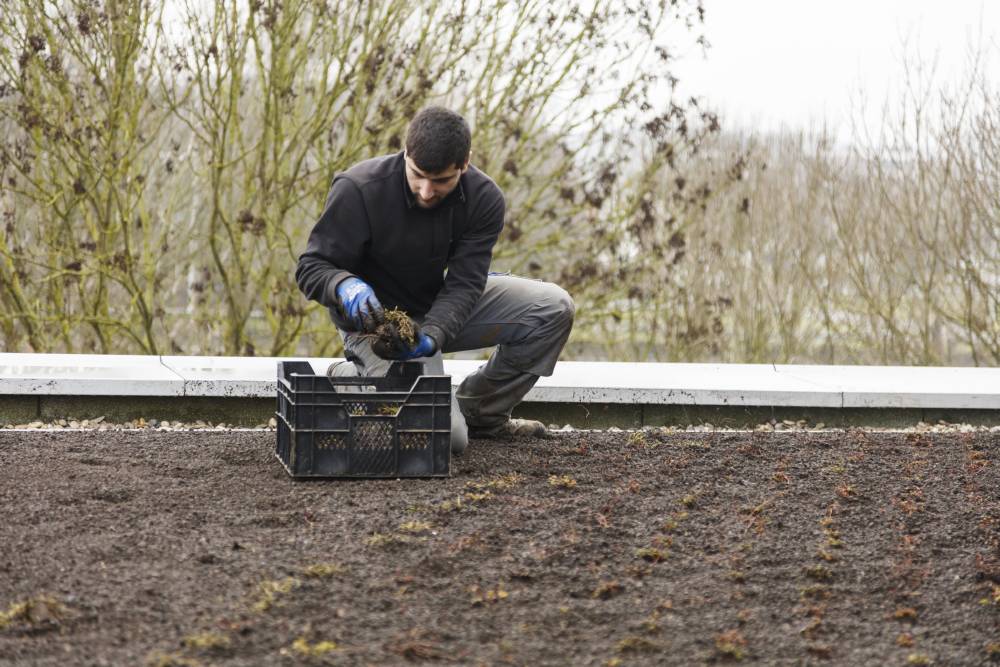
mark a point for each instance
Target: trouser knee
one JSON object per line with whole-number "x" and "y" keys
{"x": 565, "y": 308}
{"x": 550, "y": 322}
{"x": 459, "y": 437}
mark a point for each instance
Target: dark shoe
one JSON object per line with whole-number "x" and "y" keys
{"x": 512, "y": 428}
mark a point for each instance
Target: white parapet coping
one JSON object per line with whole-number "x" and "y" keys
{"x": 87, "y": 375}
{"x": 573, "y": 381}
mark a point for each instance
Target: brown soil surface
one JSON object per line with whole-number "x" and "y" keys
{"x": 183, "y": 548}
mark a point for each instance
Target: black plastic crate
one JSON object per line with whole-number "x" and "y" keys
{"x": 393, "y": 426}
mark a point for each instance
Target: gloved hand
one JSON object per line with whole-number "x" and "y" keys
{"x": 390, "y": 345}
{"x": 360, "y": 304}
{"x": 425, "y": 347}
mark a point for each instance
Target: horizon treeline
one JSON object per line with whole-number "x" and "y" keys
{"x": 163, "y": 162}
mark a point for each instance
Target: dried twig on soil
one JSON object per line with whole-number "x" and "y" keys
{"x": 418, "y": 644}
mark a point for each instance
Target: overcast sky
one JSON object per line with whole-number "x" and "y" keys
{"x": 798, "y": 62}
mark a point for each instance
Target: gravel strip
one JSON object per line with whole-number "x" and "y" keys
{"x": 99, "y": 424}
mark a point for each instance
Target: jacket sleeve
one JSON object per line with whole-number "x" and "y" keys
{"x": 467, "y": 270}
{"x": 336, "y": 244}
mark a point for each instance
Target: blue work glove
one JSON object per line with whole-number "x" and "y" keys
{"x": 425, "y": 347}
{"x": 360, "y": 304}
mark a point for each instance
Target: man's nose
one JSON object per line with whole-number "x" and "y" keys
{"x": 426, "y": 190}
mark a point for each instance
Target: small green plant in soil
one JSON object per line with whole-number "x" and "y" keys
{"x": 637, "y": 645}
{"x": 847, "y": 492}
{"x": 415, "y": 527}
{"x": 819, "y": 573}
{"x": 269, "y": 591}
{"x": 479, "y": 596}
{"x": 322, "y": 570}
{"x": 731, "y": 645}
{"x": 386, "y": 540}
{"x": 827, "y": 556}
{"x": 639, "y": 439}
{"x": 33, "y": 612}
{"x": 463, "y": 502}
{"x": 651, "y": 624}
{"x": 207, "y": 641}
{"x": 994, "y": 596}
{"x": 832, "y": 534}
{"x": 606, "y": 590}
{"x": 652, "y": 554}
{"x": 455, "y": 505}
{"x": 811, "y": 627}
{"x": 159, "y": 659}
{"x": 302, "y": 647}
{"x": 498, "y": 483}
{"x": 562, "y": 481}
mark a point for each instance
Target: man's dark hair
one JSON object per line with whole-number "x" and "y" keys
{"x": 437, "y": 139}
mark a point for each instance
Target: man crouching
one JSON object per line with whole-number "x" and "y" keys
{"x": 415, "y": 231}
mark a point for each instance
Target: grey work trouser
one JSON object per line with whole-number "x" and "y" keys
{"x": 528, "y": 322}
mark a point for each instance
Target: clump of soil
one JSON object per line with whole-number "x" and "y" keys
{"x": 399, "y": 325}
{"x": 394, "y": 335}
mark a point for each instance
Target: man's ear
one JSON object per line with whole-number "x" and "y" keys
{"x": 465, "y": 167}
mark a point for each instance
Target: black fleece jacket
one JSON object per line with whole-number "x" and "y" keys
{"x": 431, "y": 263}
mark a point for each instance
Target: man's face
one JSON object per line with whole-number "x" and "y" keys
{"x": 430, "y": 189}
